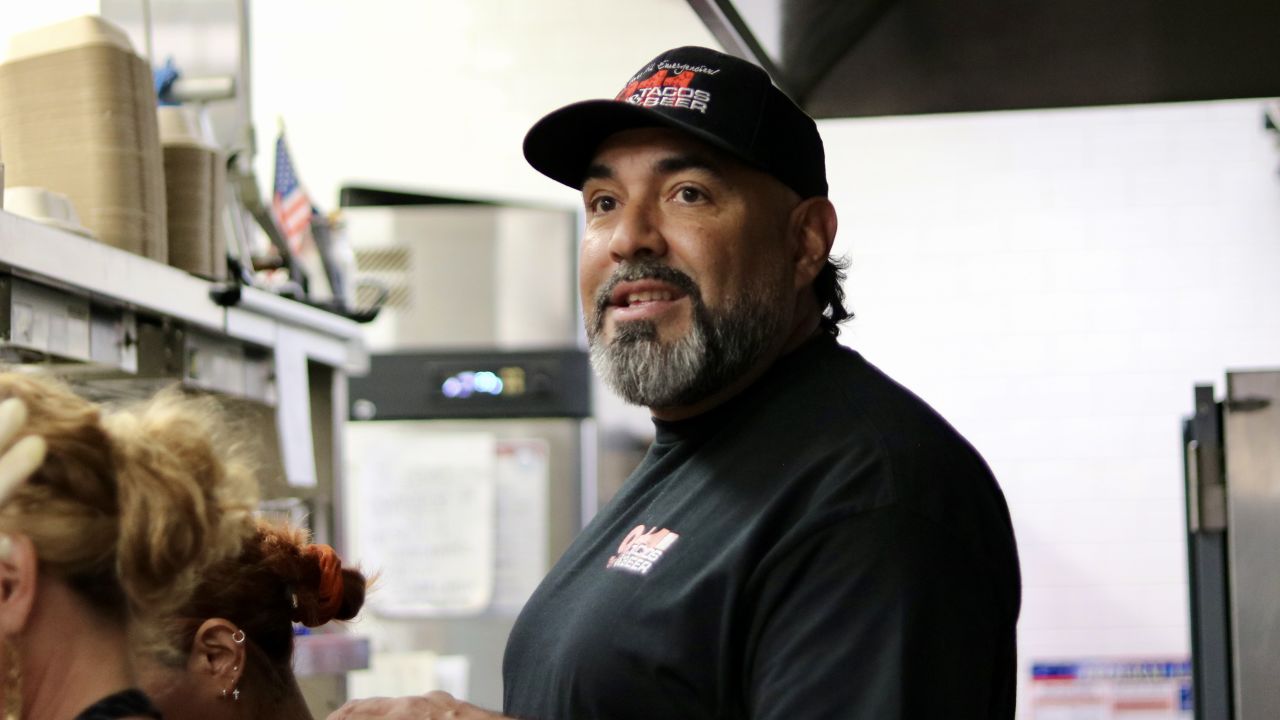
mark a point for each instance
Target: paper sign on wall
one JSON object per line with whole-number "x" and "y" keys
{"x": 424, "y": 519}
{"x": 523, "y": 526}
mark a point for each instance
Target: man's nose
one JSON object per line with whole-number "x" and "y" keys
{"x": 636, "y": 233}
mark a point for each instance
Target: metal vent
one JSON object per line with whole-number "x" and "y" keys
{"x": 855, "y": 58}
{"x": 399, "y": 296}
{"x": 375, "y": 260}
{"x": 385, "y": 267}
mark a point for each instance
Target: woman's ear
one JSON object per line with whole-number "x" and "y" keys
{"x": 218, "y": 653}
{"x": 813, "y": 223}
{"x": 19, "y": 572}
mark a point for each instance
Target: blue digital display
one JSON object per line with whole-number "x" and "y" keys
{"x": 468, "y": 383}
{"x": 508, "y": 381}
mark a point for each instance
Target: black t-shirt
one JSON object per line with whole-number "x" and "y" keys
{"x": 823, "y": 545}
{"x": 124, "y": 704}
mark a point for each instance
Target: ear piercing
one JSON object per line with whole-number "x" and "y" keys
{"x": 238, "y": 638}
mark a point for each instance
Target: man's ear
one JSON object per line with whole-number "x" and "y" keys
{"x": 19, "y": 572}
{"x": 218, "y": 653}
{"x": 813, "y": 225}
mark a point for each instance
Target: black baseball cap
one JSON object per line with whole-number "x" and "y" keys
{"x": 720, "y": 99}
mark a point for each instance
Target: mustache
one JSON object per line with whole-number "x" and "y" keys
{"x": 644, "y": 270}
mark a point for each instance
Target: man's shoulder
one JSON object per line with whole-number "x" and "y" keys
{"x": 883, "y": 444}
{"x": 844, "y": 395}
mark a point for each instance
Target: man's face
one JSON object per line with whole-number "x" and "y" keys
{"x": 686, "y": 276}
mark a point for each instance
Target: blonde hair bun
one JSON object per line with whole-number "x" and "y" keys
{"x": 127, "y": 507}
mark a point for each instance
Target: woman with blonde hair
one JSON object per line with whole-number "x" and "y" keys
{"x": 235, "y": 635}
{"x": 104, "y": 518}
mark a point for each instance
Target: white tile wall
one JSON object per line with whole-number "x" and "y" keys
{"x": 1055, "y": 282}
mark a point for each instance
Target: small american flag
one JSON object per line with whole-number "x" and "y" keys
{"x": 289, "y": 201}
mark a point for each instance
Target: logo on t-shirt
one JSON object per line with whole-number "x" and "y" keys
{"x": 641, "y": 549}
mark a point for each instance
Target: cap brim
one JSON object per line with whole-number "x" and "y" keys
{"x": 562, "y": 144}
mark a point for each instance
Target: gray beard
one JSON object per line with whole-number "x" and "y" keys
{"x": 720, "y": 347}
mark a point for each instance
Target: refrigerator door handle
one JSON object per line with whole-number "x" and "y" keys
{"x": 1193, "y": 486}
{"x": 1206, "y": 474}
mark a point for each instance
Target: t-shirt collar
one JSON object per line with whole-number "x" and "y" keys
{"x": 674, "y": 431}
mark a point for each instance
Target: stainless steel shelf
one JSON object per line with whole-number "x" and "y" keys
{"x": 60, "y": 260}
{"x": 117, "y": 322}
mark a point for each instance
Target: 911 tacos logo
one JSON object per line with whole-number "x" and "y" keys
{"x": 663, "y": 88}
{"x": 641, "y": 549}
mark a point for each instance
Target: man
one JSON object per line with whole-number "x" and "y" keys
{"x": 805, "y": 538}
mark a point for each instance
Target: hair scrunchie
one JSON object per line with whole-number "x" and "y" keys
{"x": 329, "y": 594}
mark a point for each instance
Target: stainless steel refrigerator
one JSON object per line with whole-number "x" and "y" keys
{"x": 470, "y": 447}
{"x": 1232, "y": 461}
{"x": 467, "y": 481}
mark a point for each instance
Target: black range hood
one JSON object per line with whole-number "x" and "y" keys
{"x": 850, "y": 58}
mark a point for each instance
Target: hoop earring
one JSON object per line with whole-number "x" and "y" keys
{"x": 237, "y": 637}
{"x": 12, "y": 681}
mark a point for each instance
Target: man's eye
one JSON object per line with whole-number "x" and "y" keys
{"x": 690, "y": 194}
{"x": 604, "y": 203}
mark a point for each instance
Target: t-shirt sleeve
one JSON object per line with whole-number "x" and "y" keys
{"x": 877, "y": 616}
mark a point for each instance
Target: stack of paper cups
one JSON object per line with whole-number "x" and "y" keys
{"x": 194, "y": 179}
{"x": 77, "y": 114}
